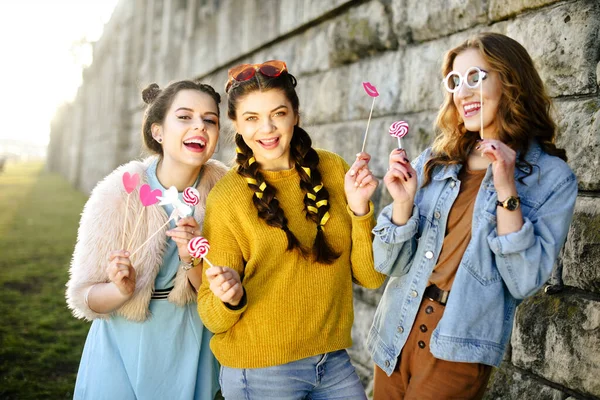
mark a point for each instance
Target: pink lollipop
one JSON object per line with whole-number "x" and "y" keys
{"x": 191, "y": 197}
{"x": 198, "y": 248}
{"x": 399, "y": 129}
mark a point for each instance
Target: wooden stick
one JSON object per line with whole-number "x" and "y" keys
{"x": 368, "y": 121}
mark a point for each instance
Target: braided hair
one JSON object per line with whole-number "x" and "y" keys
{"x": 306, "y": 161}
{"x": 160, "y": 100}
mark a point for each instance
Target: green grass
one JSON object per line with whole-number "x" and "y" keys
{"x": 40, "y": 341}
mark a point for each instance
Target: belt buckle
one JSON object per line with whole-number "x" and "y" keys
{"x": 444, "y": 297}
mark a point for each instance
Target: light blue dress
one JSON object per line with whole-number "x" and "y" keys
{"x": 166, "y": 357}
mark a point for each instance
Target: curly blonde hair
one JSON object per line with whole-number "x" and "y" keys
{"x": 523, "y": 111}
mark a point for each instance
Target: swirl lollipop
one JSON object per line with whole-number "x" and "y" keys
{"x": 399, "y": 129}
{"x": 198, "y": 248}
{"x": 191, "y": 196}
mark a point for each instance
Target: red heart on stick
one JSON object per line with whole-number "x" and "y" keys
{"x": 148, "y": 196}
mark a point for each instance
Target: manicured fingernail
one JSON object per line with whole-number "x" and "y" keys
{"x": 477, "y": 147}
{"x": 493, "y": 147}
{"x": 127, "y": 253}
{"x": 406, "y": 160}
{"x": 355, "y": 184}
{"x": 357, "y": 154}
{"x": 352, "y": 172}
{"x": 409, "y": 175}
{"x": 405, "y": 180}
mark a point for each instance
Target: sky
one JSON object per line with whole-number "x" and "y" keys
{"x": 41, "y": 60}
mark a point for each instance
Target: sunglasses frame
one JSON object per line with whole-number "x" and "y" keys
{"x": 235, "y": 72}
{"x": 464, "y": 79}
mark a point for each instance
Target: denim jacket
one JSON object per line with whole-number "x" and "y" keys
{"x": 495, "y": 273}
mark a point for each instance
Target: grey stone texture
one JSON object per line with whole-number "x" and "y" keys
{"x": 558, "y": 338}
{"x": 397, "y": 45}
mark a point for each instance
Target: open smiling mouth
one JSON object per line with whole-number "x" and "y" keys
{"x": 471, "y": 109}
{"x": 195, "y": 144}
{"x": 269, "y": 143}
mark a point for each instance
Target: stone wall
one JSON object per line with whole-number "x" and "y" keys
{"x": 332, "y": 46}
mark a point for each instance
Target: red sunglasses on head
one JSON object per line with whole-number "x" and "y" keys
{"x": 244, "y": 72}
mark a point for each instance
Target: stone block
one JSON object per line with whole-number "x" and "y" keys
{"x": 360, "y": 33}
{"x": 419, "y": 21}
{"x": 579, "y": 134}
{"x": 581, "y": 254}
{"x": 508, "y": 383}
{"x": 501, "y": 9}
{"x": 563, "y": 43}
{"x": 557, "y": 337}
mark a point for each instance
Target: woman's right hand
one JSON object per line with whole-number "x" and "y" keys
{"x": 401, "y": 178}
{"x": 226, "y": 284}
{"x": 121, "y": 273}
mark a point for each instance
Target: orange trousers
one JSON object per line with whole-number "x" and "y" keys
{"x": 419, "y": 375}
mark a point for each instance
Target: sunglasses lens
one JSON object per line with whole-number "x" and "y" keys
{"x": 272, "y": 68}
{"x": 473, "y": 78}
{"x": 244, "y": 74}
{"x": 452, "y": 81}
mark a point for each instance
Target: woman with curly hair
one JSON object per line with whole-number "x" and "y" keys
{"x": 476, "y": 224}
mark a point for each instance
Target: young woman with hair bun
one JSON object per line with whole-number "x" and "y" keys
{"x": 290, "y": 231}
{"x": 147, "y": 340}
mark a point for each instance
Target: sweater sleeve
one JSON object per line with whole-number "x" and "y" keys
{"x": 225, "y": 251}
{"x": 361, "y": 254}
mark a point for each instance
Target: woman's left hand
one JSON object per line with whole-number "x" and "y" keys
{"x": 360, "y": 184}
{"x": 187, "y": 228}
{"x": 503, "y": 165}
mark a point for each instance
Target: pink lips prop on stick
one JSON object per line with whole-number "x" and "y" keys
{"x": 130, "y": 182}
{"x": 399, "y": 129}
{"x": 148, "y": 197}
{"x": 198, "y": 248}
{"x": 371, "y": 91}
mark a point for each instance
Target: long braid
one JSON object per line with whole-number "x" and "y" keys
{"x": 316, "y": 198}
{"x": 264, "y": 195}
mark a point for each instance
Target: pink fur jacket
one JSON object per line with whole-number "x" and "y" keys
{"x": 101, "y": 231}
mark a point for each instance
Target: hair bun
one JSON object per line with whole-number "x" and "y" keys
{"x": 292, "y": 79}
{"x": 150, "y": 93}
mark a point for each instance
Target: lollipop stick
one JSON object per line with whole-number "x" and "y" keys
{"x": 209, "y": 263}
{"x": 368, "y": 121}
{"x": 151, "y": 236}
{"x": 125, "y": 221}
{"x": 399, "y": 143}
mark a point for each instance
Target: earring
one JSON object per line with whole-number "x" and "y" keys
{"x": 159, "y": 140}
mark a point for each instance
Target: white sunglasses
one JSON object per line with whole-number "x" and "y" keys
{"x": 473, "y": 78}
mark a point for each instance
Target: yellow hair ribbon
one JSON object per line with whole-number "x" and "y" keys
{"x": 251, "y": 161}
{"x": 251, "y": 181}
{"x": 313, "y": 210}
{"x": 238, "y": 150}
{"x": 307, "y": 170}
{"x": 322, "y": 203}
{"x": 311, "y": 196}
{"x": 324, "y": 219}
{"x": 262, "y": 187}
{"x": 318, "y": 187}
{"x": 258, "y": 194}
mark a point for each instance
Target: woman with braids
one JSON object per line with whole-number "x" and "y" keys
{"x": 476, "y": 224}
{"x": 290, "y": 230}
{"x": 147, "y": 340}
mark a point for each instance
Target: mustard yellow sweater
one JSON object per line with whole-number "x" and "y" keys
{"x": 296, "y": 308}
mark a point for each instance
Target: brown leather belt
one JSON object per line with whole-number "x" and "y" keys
{"x": 434, "y": 293}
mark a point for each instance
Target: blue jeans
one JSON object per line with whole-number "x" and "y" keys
{"x": 322, "y": 377}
